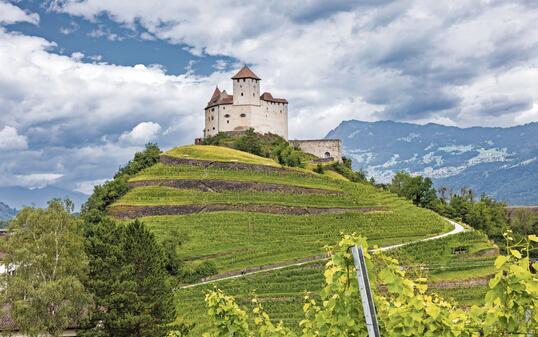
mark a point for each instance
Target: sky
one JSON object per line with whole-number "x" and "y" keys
{"x": 86, "y": 83}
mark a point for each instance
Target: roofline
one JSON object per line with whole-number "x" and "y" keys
{"x": 213, "y": 105}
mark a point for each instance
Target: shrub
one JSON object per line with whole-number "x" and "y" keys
{"x": 249, "y": 142}
{"x": 319, "y": 169}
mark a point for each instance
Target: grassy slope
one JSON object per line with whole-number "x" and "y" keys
{"x": 218, "y": 153}
{"x": 237, "y": 240}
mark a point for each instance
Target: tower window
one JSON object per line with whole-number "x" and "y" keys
{"x": 243, "y": 115}
{"x": 228, "y": 121}
{"x": 241, "y": 94}
{"x": 226, "y": 116}
{"x": 223, "y": 108}
{"x": 213, "y": 128}
{"x": 253, "y": 95}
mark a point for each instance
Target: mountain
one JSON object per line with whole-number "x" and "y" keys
{"x": 6, "y": 212}
{"x": 501, "y": 162}
{"x": 19, "y": 197}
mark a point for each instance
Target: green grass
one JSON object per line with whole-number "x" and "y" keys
{"x": 293, "y": 178}
{"x": 218, "y": 153}
{"x": 475, "y": 259}
{"x": 465, "y": 296}
{"x": 281, "y": 293}
{"x": 236, "y": 240}
{"x": 158, "y": 195}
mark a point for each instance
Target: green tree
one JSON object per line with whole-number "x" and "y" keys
{"x": 417, "y": 189}
{"x": 249, "y": 142}
{"x": 112, "y": 190}
{"x": 128, "y": 278}
{"x": 47, "y": 267}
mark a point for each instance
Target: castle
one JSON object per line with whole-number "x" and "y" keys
{"x": 246, "y": 109}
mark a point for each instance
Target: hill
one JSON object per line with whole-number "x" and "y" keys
{"x": 501, "y": 162}
{"x": 246, "y": 223}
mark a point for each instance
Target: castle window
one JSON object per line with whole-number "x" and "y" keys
{"x": 243, "y": 115}
{"x": 226, "y": 116}
{"x": 228, "y": 121}
{"x": 213, "y": 128}
{"x": 253, "y": 95}
{"x": 327, "y": 154}
{"x": 241, "y": 94}
{"x": 212, "y": 109}
{"x": 223, "y": 108}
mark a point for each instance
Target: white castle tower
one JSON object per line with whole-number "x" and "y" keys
{"x": 246, "y": 108}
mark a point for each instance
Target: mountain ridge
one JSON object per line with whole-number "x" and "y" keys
{"x": 499, "y": 161}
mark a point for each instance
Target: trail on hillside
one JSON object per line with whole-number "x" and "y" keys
{"x": 458, "y": 228}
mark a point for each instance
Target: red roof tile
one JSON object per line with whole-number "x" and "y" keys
{"x": 266, "y": 96}
{"x": 245, "y": 72}
{"x": 220, "y": 98}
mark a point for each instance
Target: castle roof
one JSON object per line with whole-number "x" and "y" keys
{"x": 266, "y": 96}
{"x": 245, "y": 72}
{"x": 220, "y": 97}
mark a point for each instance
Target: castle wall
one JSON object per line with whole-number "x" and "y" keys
{"x": 272, "y": 117}
{"x": 321, "y": 148}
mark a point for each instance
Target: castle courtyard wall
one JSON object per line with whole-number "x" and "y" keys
{"x": 321, "y": 148}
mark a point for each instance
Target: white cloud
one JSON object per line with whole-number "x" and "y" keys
{"x": 410, "y": 60}
{"x": 142, "y": 133}
{"x": 86, "y": 187}
{"x": 37, "y": 180}
{"x": 12, "y": 14}
{"x": 11, "y": 140}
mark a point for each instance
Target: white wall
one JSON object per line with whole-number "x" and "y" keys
{"x": 246, "y": 91}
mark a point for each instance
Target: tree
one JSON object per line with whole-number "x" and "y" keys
{"x": 128, "y": 278}
{"x": 249, "y": 142}
{"x": 112, "y": 190}
{"x": 47, "y": 267}
{"x": 417, "y": 189}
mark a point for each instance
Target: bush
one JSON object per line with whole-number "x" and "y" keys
{"x": 347, "y": 172}
{"x": 191, "y": 274}
{"x": 288, "y": 155}
{"x": 319, "y": 169}
{"x": 249, "y": 142}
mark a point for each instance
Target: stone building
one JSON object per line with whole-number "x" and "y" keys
{"x": 245, "y": 108}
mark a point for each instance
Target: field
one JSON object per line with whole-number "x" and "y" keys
{"x": 240, "y": 242}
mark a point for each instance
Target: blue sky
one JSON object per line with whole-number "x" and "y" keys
{"x": 86, "y": 83}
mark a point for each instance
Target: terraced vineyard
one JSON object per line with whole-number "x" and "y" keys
{"x": 246, "y": 213}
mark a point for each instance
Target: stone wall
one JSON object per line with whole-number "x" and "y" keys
{"x": 321, "y": 148}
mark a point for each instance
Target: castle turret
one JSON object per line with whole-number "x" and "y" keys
{"x": 246, "y": 87}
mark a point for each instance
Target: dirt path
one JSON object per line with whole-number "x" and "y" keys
{"x": 262, "y": 269}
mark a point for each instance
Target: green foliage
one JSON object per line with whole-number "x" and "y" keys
{"x": 405, "y": 308}
{"x": 345, "y": 170}
{"x": 347, "y": 162}
{"x": 249, "y": 142}
{"x": 129, "y": 282}
{"x": 319, "y": 169}
{"x": 47, "y": 264}
{"x": 104, "y": 195}
{"x": 288, "y": 155}
{"x": 417, "y": 189}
